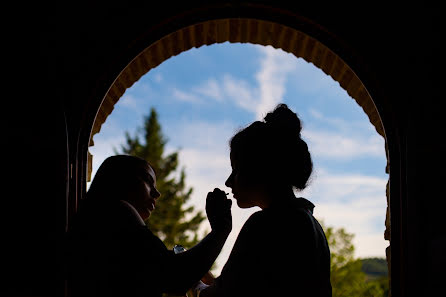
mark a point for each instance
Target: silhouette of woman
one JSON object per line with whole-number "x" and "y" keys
{"x": 111, "y": 252}
{"x": 281, "y": 249}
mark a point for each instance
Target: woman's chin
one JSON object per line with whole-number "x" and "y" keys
{"x": 243, "y": 204}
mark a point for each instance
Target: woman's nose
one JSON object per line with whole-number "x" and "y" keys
{"x": 228, "y": 182}
{"x": 156, "y": 194}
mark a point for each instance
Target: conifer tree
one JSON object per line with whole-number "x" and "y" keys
{"x": 171, "y": 221}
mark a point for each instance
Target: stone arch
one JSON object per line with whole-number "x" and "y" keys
{"x": 244, "y": 30}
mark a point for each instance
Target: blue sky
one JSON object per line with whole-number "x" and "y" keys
{"x": 204, "y": 95}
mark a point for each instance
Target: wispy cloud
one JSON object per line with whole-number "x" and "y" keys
{"x": 204, "y": 153}
{"x": 275, "y": 67}
{"x": 210, "y": 89}
{"x": 185, "y": 96}
{"x": 355, "y": 202}
{"x": 345, "y": 188}
{"x": 129, "y": 101}
{"x": 212, "y": 136}
{"x": 329, "y": 144}
{"x": 260, "y": 98}
{"x": 240, "y": 92}
{"x": 364, "y": 217}
{"x": 271, "y": 77}
{"x": 311, "y": 80}
{"x": 337, "y": 138}
{"x": 341, "y": 124}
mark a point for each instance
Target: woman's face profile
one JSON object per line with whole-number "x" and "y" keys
{"x": 244, "y": 192}
{"x": 145, "y": 194}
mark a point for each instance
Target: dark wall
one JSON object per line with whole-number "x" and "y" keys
{"x": 66, "y": 57}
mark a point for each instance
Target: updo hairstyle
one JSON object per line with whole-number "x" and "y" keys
{"x": 273, "y": 150}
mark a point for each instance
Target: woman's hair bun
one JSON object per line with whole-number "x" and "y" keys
{"x": 284, "y": 119}
{"x": 275, "y": 145}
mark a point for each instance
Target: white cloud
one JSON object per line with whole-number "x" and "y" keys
{"x": 202, "y": 134}
{"x": 186, "y": 97}
{"x": 337, "y": 138}
{"x": 316, "y": 114}
{"x": 370, "y": 245}
{"x": 310, "y": 80}
{"x": 359, "y": 218}
{"x": 229, "y": 89}
{"x": 275, "y": 67}
{"x": 210, "y": 89}
{"x": 342, "y": 125}
{"x": 204, "y": 155}
{"x": 133, "y": 102}
{"x": 355, "y": 202}
{"x": 129, "y": 101}
{"x": 337, "y": 145}
{"x": 260, "y": 98}
{"x": 347, "y": 188}
{"x": 240, "y": 92}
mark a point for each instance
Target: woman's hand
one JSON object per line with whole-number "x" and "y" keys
{"x": 218, "y": 210}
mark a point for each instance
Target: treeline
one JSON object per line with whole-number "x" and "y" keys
{"x": 350, "y": 276}
{"x": 375, "y": 267}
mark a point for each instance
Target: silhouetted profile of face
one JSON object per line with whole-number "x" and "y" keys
{"x": 269, "y": 159}
{"x": 245, "y": 187}
{"x": 144, "y": 195}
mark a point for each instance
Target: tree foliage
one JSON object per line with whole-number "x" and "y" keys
{"x": 375, "y": 267}
{"x": 172, "y": 221}
{"x": 347, "y": 276}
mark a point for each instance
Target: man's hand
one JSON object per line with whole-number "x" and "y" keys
{"x": 218, "y": 210}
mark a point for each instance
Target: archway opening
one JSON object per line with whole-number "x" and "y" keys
{"x": 242, "y": 31}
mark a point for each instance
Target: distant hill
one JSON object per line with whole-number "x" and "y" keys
{"x": 374, "y": 267}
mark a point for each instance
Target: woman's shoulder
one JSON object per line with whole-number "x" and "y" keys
{"x": 294, "y": 217}
{"x": 257, "y": 219}
{"x": 296, "y": 208}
